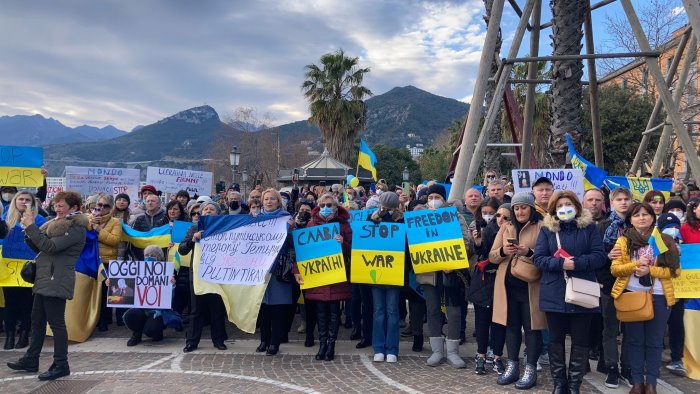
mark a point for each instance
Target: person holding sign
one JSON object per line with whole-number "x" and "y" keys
{"x": 328, "y": 297}
{"x": 18, "y": 300}
{"x": 451, "y": 284}
{"x": 516, "y": 296}
{"x": 569, "y": 247}
{"x": 642, "y": 268}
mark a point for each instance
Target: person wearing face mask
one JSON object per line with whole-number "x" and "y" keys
{"x": 235, "y": 205}
{"x": 516, "y": 299}
{"x": 308, "y": 308}
{"x": 569, "y": 231}
{"x": 255, "y": 207}
{"x": 676, "y": 207}
{"x": 451, "y": 284}
{"x": 7, "y": 193}
{"x": 328, "y": 298}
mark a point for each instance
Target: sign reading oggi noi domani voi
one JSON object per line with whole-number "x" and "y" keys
{"x": 435, "y": 240}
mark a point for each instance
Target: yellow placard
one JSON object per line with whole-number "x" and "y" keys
{"x": 10, "y": 273}
{"x": 687, "y": 284}
{"x": 321, "y": 271}
{"x": 377, "y": 267}
{"x": 21, "y": 176}
{"x": 449, "y": 254}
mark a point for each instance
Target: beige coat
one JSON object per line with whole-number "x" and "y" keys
{"x": 528, "y": 236}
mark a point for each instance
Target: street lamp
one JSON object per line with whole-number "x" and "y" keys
{"x": 244, "y": 179}
{"x": 234, "y": 158}
{"x": 405, "y": 174}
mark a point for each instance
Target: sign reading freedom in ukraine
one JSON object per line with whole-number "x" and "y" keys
{"x": 240, "y": 249}
{"x": 378, "y": 253}
{"x": 687, "y": 285}
{"x": 171, "y": 180}
{"x": 435, "y": 240}
{"x": 21, "y": 166}
{"x": 140, "y": 284}
{"x": 319, "y": 256}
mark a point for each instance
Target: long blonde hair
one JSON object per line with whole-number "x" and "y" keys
{"x": 276, "y": 194}
{"x": 13, "y": 214}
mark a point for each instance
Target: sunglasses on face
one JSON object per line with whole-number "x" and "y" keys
{"x": 326, "y": 205}
{"x": 498, "y": 215}
{"x": 194, "y": 213}
{"x": 104, "y": 206}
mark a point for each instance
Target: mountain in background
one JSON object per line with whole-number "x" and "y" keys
{"x": 36, "y": 130}
{"x": 402, "y": 116}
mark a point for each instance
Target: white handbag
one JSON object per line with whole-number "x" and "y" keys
{"x": 581, "y": 292}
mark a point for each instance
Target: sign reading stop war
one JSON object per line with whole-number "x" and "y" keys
{"x": 10, "y": 272}
{"x": 435, "y": 240}
{"x": 140, "y": 284}
{"x": 172, "y": 180}
{"x": 687, "y": 285}
{"x": 112, "y": 181}
{"x": 378, "y": 253}
{"x": 21, "y": 166}
{"x": 319, "y": 256}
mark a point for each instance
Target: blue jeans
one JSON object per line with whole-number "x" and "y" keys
{"x": 385, "y": 330}
{"x": 645, "y": 341}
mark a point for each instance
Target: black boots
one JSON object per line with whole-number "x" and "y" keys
{"x": 55, "y": 372}
{"x": 330, "y": 350}
{"x": 24, "y": 365}
{"x": 23, "y": 340}
{"x": 333, "y": 326}
{"x": 557, "y": 366}
{"x": 417, "y": 343}
{"x": 322, "y": 323}
{"x": 9, "y": 339}
{"x": 577, "y": 368}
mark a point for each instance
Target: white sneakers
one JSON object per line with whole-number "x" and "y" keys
{"x": 390, "y": 358}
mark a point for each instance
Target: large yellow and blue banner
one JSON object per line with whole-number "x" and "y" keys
{"x": 687, "y": 285}
{"x": 20, "y": 166}
{"x": 378, "y": 253}
{"x": 435, "y": 240}
{"x": 691, "y": 351}
{"x": 319, "y": 256}
{"x": 367, "y": 159}
{"x": 639, "y": 186}
{"x": 157, "y": 236}
{"x": 592, "y": 176}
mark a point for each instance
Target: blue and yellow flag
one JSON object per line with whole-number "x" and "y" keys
{"x": 640, "y": 186}
{"x": 158, "y": 236}
{"x": 592, "y": 176}
{"x": 657, "y": 244}
{"x": 367, "y": 159}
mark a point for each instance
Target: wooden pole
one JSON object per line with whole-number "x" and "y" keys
{"x": 490, "y": 119}
{"x": 670, "y": 74}
{"x": 671, "y": 109}
{"x": 593, "y": 91}
{"x": 692, "y": 9}
{"x": 529, "y": 115}
{"x": 471, "y": 124}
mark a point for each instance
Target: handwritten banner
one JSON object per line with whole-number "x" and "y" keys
{"x": 10, "y": 273}
{"x": 687, "y": 285}
{"x": 435, "y": 240}
{"x": 319, "y": 256}
{"x": 244, "y": 254}
{"x": 378, "y": 253}
{"x": 21, "y": 166}
{"x": 562, "y": 179}
{"x": 140, "y": 284}
{"x": 171, "y": 180}
{"x": 94, "y": 180}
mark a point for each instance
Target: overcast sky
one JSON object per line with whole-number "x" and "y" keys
{"x": 127, "y": 63}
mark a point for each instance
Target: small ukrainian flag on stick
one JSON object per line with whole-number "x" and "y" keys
{"x": 367, "y": 159}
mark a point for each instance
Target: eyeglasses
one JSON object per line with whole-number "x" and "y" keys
{"x": 104, "y": 206}
{"x": 194, "y": 213}
{"x": 498, "y": 215}
{"x": 326, "y": 205}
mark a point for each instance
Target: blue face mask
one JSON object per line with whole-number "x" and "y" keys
{"x": 149, "y": 259}
{"x": 326, "y": 212}
{"x": 673, "y": 232}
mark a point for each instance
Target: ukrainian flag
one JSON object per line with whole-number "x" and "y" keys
{"x": 158, "y": 236}
{"x": 640, "y": 186}
{"x": 691, "y": 353}
{"x": 592, "y": 176}
{"x": 367, "y": 159}
{"x": 656, "y": 243}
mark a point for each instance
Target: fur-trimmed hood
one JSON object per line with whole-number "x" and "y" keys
{"x": 552, "y": 222}
{"x": 60, "y": 226}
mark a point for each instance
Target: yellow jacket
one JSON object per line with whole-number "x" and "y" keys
{"x": 109, "y": 237}
{"x": 623, "y": 267}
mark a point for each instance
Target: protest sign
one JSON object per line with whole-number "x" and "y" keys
{"x": 140, "y": 284}
{"x": 687, "y": 285}
{"x": 435, "y": 240}
{"x": 378, "y": 253}
{"x": 563, "y": 179}
{"x": 319, "y": 256}
{"x": 20, "y": 166}
{"x": 171, "y": 180}
{"x": 179, "y": 231}
{"x": 240, "y": 249}
{"x": 10, "y": 273}
{"x": 112, "y": 181}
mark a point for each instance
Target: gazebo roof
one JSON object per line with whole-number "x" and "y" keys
{"x": 324, "y": 168}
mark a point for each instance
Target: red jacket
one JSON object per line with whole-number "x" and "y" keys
{"x": 338, "y": 291}
{"x": 690, "y": 235}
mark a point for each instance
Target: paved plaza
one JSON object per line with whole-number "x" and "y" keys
{"x": 104, "y": 364}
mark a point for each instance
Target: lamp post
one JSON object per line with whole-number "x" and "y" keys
{"x": 405, "y": 174}
{"x": 244, "y": 179}
{"x": 234, "y": 158}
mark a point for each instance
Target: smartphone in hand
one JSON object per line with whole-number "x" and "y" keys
{"x": 512, "y": 241}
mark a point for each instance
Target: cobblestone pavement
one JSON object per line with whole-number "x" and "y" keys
{"x": 105, "y": 365}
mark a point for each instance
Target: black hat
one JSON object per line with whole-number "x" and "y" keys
{"x": 675, "y": 204}
{"x": 437, "y": 189}
{"x": 667, "y": 220}
{"x": 541, "y": 180}
{"x": 124, "y": 196}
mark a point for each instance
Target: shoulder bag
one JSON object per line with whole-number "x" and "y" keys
{"x": 28, "y": 272}
{"x": 581, "y": 292}
{"x": 522, "y": 268}
{"x": 634, "y": 306}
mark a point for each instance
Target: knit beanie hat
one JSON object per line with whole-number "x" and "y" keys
{"x": 523, "y": 198}
{"x": 124, "y": 196}
{"x": 505, "y": 206}
{"x": 437, "y": 189}
{"x": 675, "y": 204}
{"x": 389, "y": 200}
{"x": 666, "y": 220}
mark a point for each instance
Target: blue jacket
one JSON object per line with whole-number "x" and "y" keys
{"x": 13, "y": 246}
{"x": 279, "y": 293}
{"x": 581, "y": 239}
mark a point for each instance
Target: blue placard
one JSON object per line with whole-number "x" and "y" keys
{"x": 179, "y": 231}
{"x": 317, "y": 241}
{"x": 432, "y": 225}
{"x": 21, "y": 156}
{"x": 390, "y": 237}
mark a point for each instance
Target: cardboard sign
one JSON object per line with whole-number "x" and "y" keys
{"x": 140, "y": 284}
{"x": 435, "y": 240}
{"x": 378, "y": 253}
{"x": 319, "y": 256}
{"x": 687, "y": 285}
{"x": 10, "y": 273}
{"x": 563, "y": 179}
{"x": 20, "y": 166}
{"x": 94, "y": 180}
{"x": 171, "y": 180}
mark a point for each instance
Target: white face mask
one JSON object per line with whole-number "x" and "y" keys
{"x": 566, "y": 213}
{"x": 673, "y": 232}
{"x": 679, "y": 214}
{"x": 8, "y": 196}
{"x": 254, "y": 211}
{"x": 435, "y": 204}
{"x": 487, "y": 218}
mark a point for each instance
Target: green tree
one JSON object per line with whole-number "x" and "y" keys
{"x": 335, "y": 94}
{"x": 623, "y": 114}
{"x": 391, "y": 163}
{"x": 435, "y": 161}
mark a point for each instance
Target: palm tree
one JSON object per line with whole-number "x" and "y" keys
{"x": 335, "y": 93}
{"x": 567, "y": 110}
